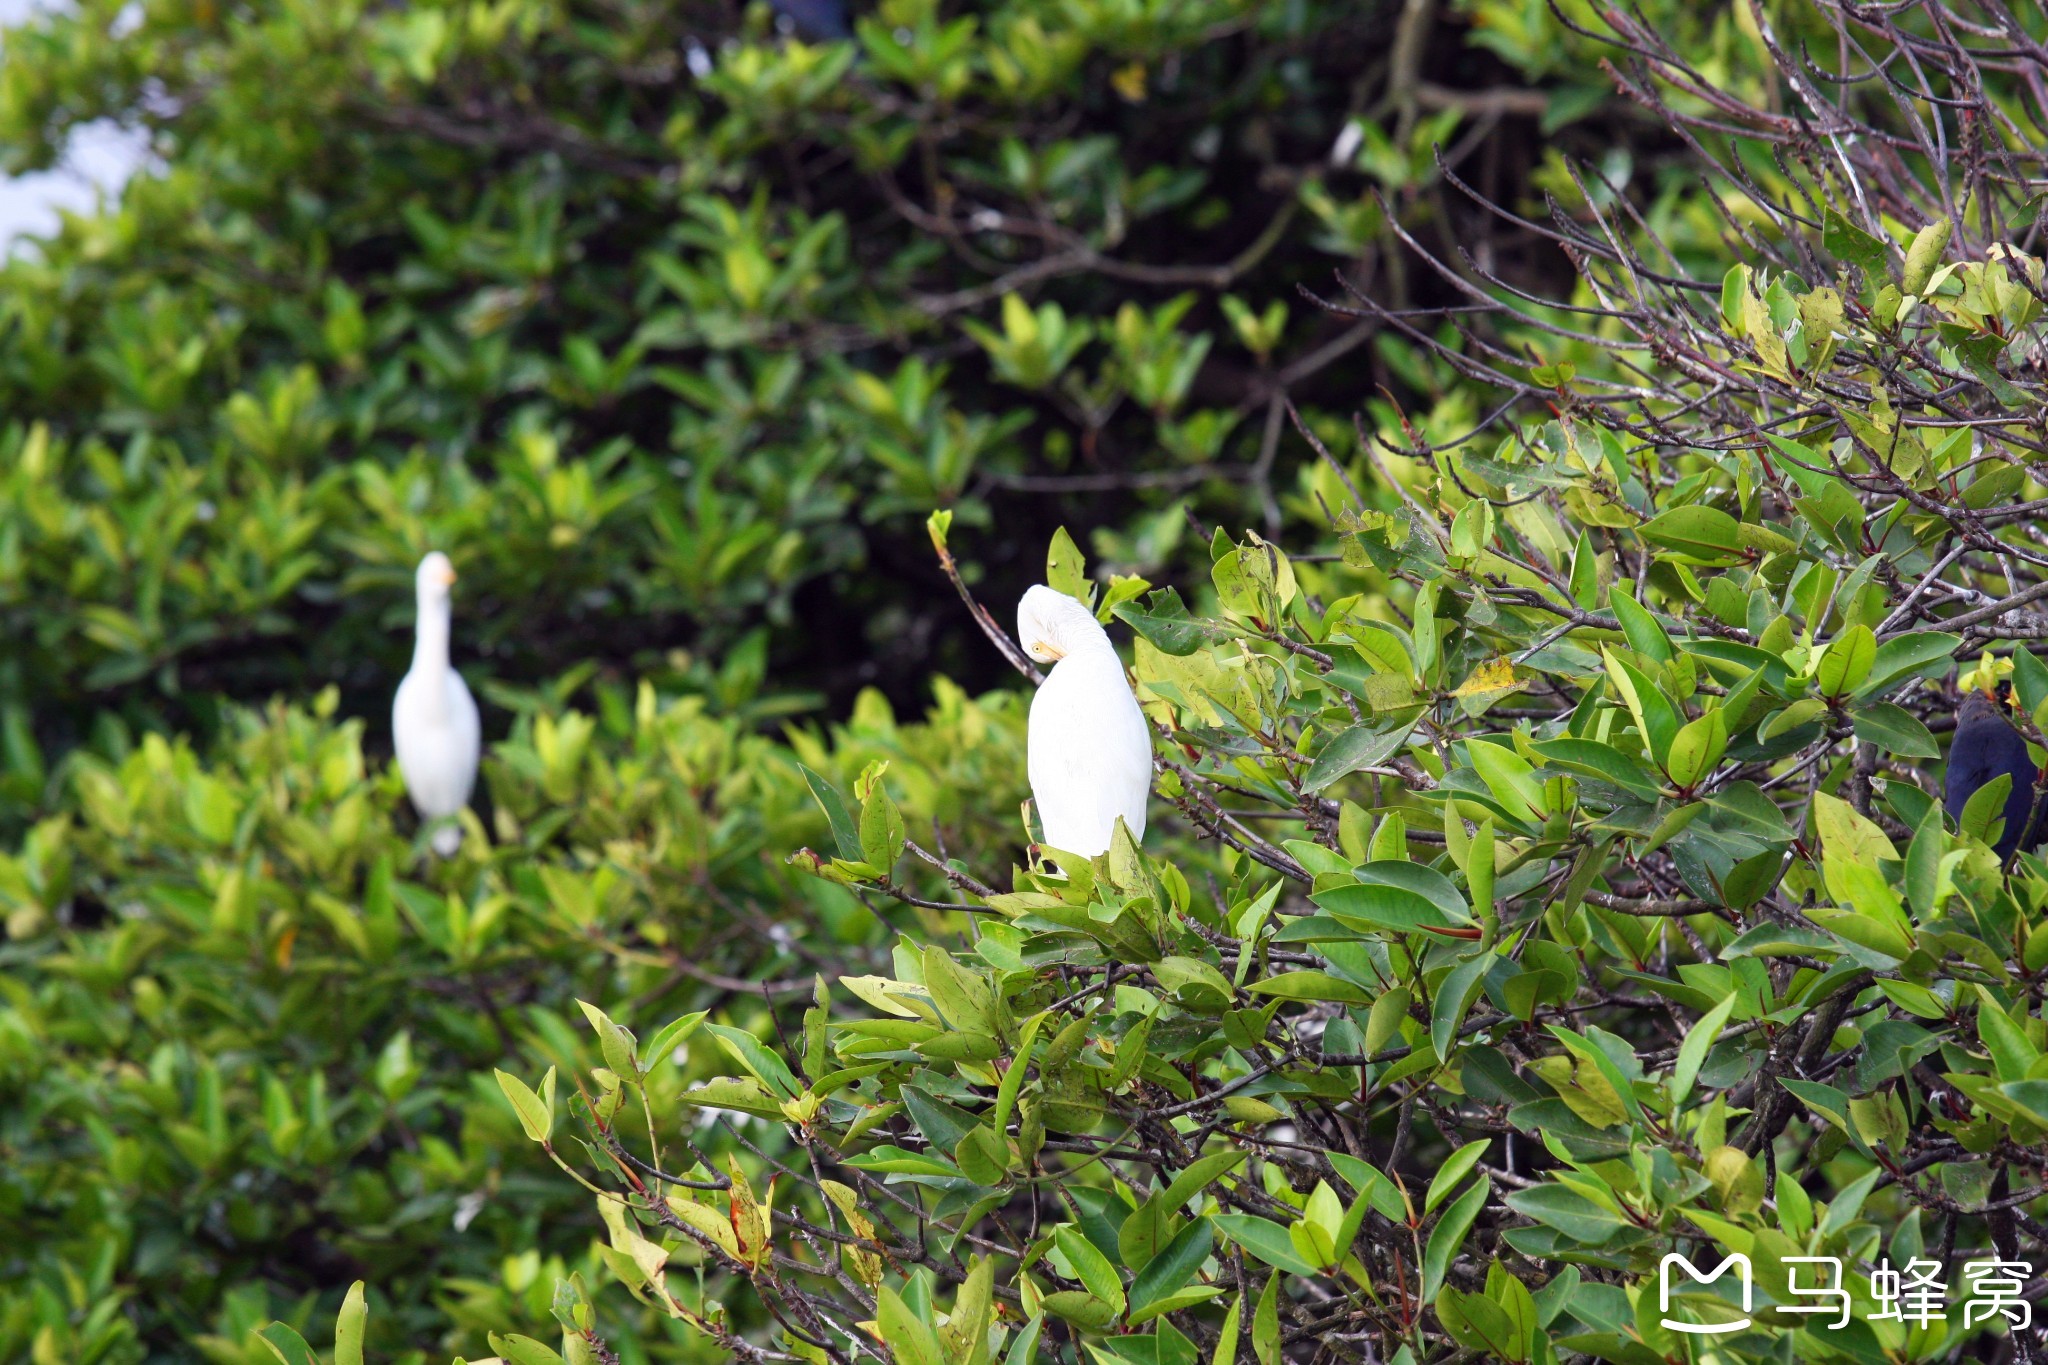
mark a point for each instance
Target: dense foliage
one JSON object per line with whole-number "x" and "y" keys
{"x": 1545, "y": 873}
{"x": 1586, "y": 896}
{"x": 665, "y": 329}
{"x": 670, "y": 331}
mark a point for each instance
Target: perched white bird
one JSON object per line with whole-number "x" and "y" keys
{"x": 1088, "y": 749}
{"x": 433, "y": 718}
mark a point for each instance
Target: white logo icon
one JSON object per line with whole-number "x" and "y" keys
{"x": 1736, "y": 1259}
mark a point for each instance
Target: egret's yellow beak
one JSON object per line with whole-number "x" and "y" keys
{"x": 1050, "y": 652}
{"x": 448, "y": 576}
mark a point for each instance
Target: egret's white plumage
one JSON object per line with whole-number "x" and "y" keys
{"x": 433, "y": 718}
{"x": 1088, "y": 749}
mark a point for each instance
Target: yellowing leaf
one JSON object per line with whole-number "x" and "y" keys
{"x": 865, "y": 1264}
{"x": 749, "y": 1218}
{"x": 900, "y": 998}
{"x": 1585, "y": 1091}
{"x": 1495, "y": 675}
{"x": 707, "y": 1220}
{"x": 1847, "y": 839}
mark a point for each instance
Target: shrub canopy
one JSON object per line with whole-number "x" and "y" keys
{"x": 1548, "y": 873}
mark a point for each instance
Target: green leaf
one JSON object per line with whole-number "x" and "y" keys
{"x": 2032, "y": 1096}
{"x": 1448, "y": 1236}
{"x": 1850, "y": 658}
{"x": 1472, "y": 529}
{"x": 1844, "y": 1207}
{"x": 287, "y": 1345}
{"x": 1091, "y": 1267}
{"x": 1312, "y": 985}
{"x": 1366, "y": 1180}
{"x": 765, "y": 1066}
{"x": 1985, "y": 805}
{"x": 1454, "y": 997}
{"x": 518, "y": 1350}
{"x": 1013, "y": 1077}
{"x": 1645, "y": 636}
{"x": 663, "y": 1045}
{"x": 1082, "y": 1309}
{"x": 1024, "y": 1347}
{"x": 1853, "y": 246}
{"x": 621, "y": 1051}
{"x": 982, "y": 1156}
{"x": 1590, "y": 1053}
{"x": 1692, "y": 1053}
{"x": 962, "y": 996}
{"x": 1905, "y": 656}
{"x": 1923, "y": 862}
{"x": 1696, "y": 748}
{"x": 211, "y": 807}
{"x": 1175, "y": 1264}
{"x": 1266, "y": 1323}
{"x": 1066, "y": 569}
{"x": 1374, "y": 905}
{"x": 1164, "y": 622}
{"x": 1509, "y": 777}
{"x": 944, "y": 1125}
{"x": 1455, "y": 1168}
{"x": 1383, "y": 1024}
{"x": 1174, "y": 1302}
{"x": 908, "y": 1335}
{"x": 1589, "y": 759}
{"x": 1830, "y": 1103}
{"x": 1570, "y": 1212}
{"x": 1846, "y": 832}
{"x": 881, "y": 829}
{"x": 1924, "y": 255}
{"x": 1895, "y": 730}
{"x": 1426, "y": 883}
{"x": 1914, "y": 999}
{"x": 1479, "y": 860}
{"x": 1477, "y": 1322}
{"x": 845, "y": 834}
{"x": 349, "y": 1326}
{"x": 889, "y": 1160}
{"x": 1199, "y": 1176}
{"x": 1226, "y": 1339}
{"x": 536, "y": 1118}
{"x": 1145, "y": 1230}
{"x": 1655, "y": 719}
{"x": 1361, "y": 746}
{"x": 2012, "y": 1055}
{"x": 1750, "y": 880}
{"x": 747, "y": 1095}
{"x": 1802, "y": 712}
{"x": 1264, "y": 1239}
{"x": 1703, "y": 532}
{"x": 1872, "y": 930}
{"x": 2029, "y": 680}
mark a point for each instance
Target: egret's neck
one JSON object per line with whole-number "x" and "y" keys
{"x": 430, "y": 641}
{"x": 1092, "y": 644}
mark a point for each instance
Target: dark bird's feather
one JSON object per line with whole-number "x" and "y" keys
{"x": 1985, "y": 745}
{"x": 814, "y": 21}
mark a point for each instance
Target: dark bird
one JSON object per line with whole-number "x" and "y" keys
{"x": 1985, "y": 745}
{"x": 814, "y": 21}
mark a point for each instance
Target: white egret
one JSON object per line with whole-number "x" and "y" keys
{"x": 1088, "y": 749}
{"x": 433, "y": 718}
